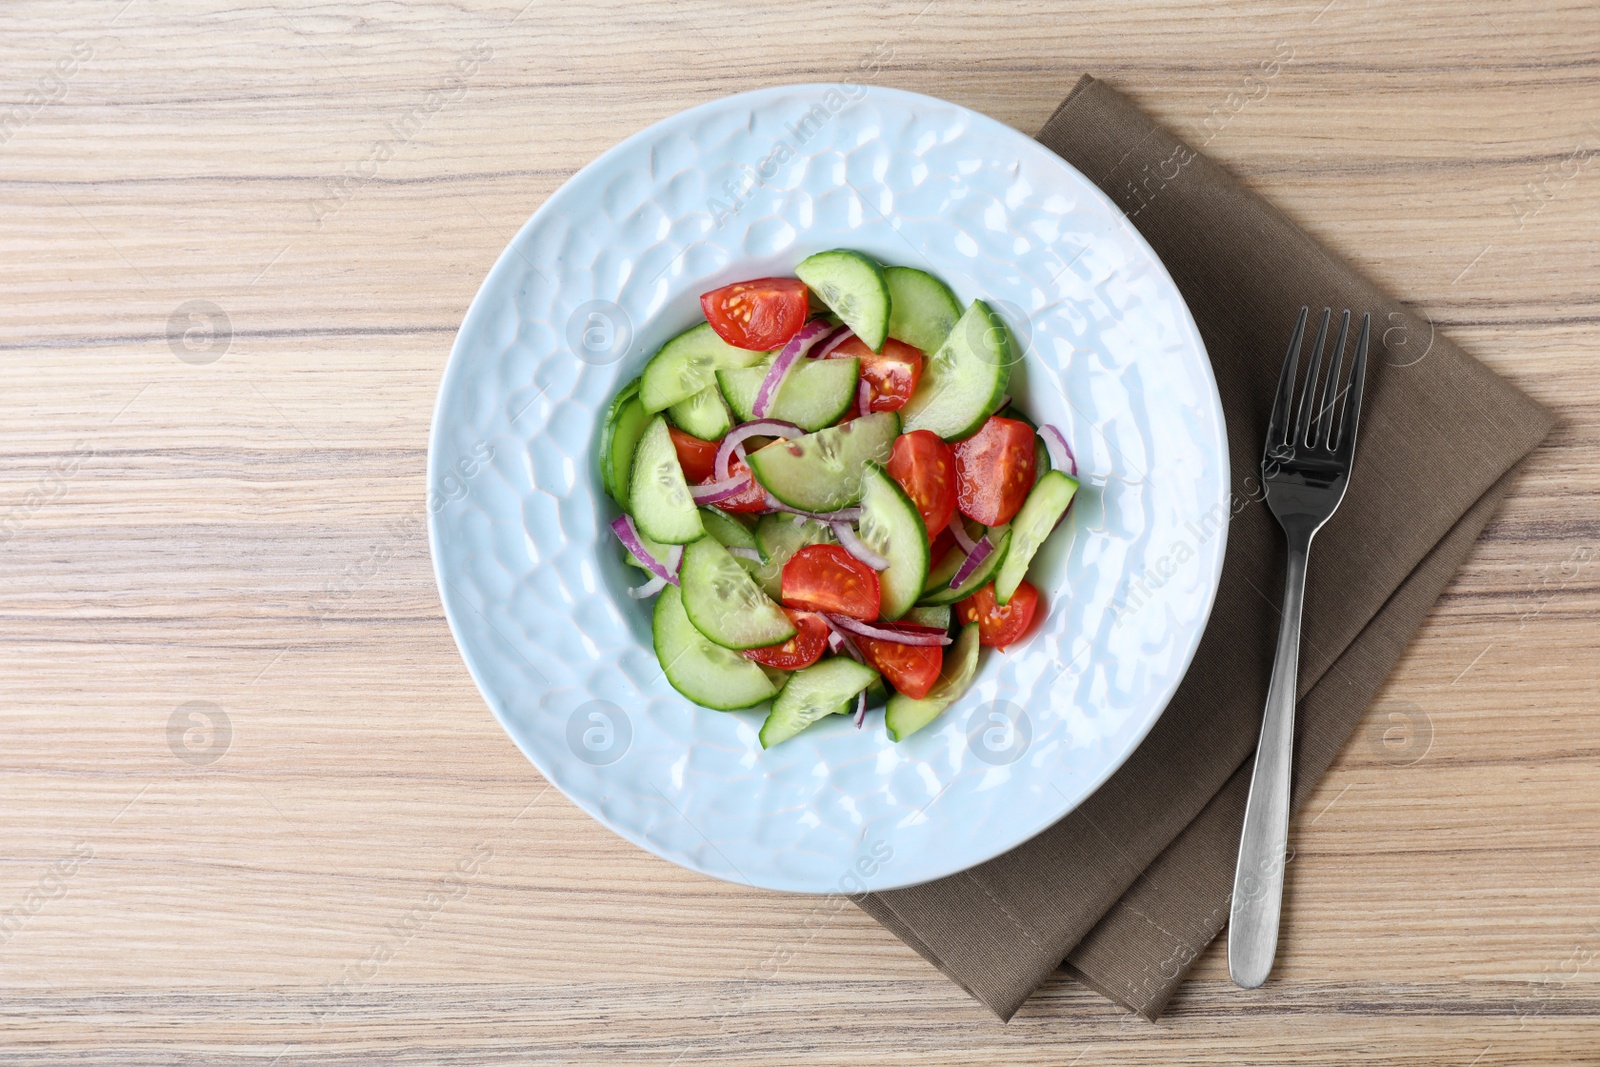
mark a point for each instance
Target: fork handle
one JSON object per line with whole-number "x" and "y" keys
{"x": 1258, "y": 880}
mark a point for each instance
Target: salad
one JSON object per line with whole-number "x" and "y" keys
{"x": 825, "y": 479}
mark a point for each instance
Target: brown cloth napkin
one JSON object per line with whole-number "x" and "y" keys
{"x": 1128, "y": 889}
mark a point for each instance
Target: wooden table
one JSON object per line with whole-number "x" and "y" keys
{"x": 242, "y": 753}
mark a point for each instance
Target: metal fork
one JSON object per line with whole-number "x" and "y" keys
{"x": 1305, "y": 471}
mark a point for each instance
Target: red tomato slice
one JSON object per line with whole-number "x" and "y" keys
{"x": 695, "y": 456}
{"x": 891, "y": 374}
{"x": 994, "y": 470}
{"x": 757, "y": 315}
{"x": 942, "y": 544}
{"x": 1000, "y": 626}
{"x": 752, "y": 499}
{"x": 801, "y": 650}
{"x": 912, "y": 669}
{"x": 827, "y": 578}
{"x": 926, "y": 469}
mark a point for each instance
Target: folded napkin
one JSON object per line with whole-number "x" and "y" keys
{"x": 1128, "y": 889}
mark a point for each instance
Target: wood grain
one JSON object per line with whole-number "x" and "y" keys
{"x": 248, "y": 533}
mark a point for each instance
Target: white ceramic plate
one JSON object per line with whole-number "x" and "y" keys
{"x": 611, "y": 267}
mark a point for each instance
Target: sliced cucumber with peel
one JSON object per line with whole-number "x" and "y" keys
{"x": 822, "y": 471}
{"x": 778, "y": 537}
{"x": 687, "y": 364}
{"x": 892, "y": 527}
{"x": 662, "y": 507}
{"x": 725, "y": 603}
{"x": 706, "y": 673}
{"x": 965, "y": 380}
{"x": 625, "y": 423}
{"x": 655, "y": 548}
{"x": 1047, "y": 502}
{"x": 854, "y": 288}
{"x": 704, "y": 415}
{"x": 905, "y": 716}
{"x": 814, "y": 393}
{"x": 930, "y": 614}
{"x": 729, "y": 531}
{"x": 939, "y": 577}
{"x": 813, "y": 694}
{"x": 976, "y": 580}
{"x": 922, "y": 309}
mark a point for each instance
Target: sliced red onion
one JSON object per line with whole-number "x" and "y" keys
{"x": 879, "y": 633}
{"x": 864, "y": 398}
{"x": 1055, "y": 442}
{"x": 628, "y": 534}
{"x": 858, "y": 548}
{"x": 979, "y": 553}
{"x": 834, "y": 340}
{"x": 861, "y": 709}
{"x": 851, "y": 514}
{"x": 649, "y": 589}
{"x": 745, "y": 553}
{"x": 716, "y": 492}
{"x": 837, "y": 640}
{"x": 958, "y": 530}
{"x": 809, "y": 334}
{"x": 735, "y": 438}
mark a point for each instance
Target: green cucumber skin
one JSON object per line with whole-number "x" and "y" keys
{"x": 729, "y": 531}
{"x": 663, "y": 509}
{"x": 626, "y": 421}
{"x": 687, "y": 364}
{"x": 965, "y": 380}
{"x": 905, "y": 715}
{"x": 922, "y": 309}
{"x": 930, "y": 614}
{"x": 705, "y": 673}
{"x": 814, "y": 394}
{"x": 1047, "y": 501}
{"x": 853, "y": 287}
{"x": 704, "y": 415}
{"x": 978, "y": 578}
{"x": 892, "y": 526}
{"x": 724, "y": 602}
{"x": 795, "y": 471}
{"x": 812, "y": 694}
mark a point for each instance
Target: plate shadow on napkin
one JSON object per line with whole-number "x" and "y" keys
{"x": 1128, "y": 889}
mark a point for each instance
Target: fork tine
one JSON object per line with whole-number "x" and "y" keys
{"x": 1279, "y": 421}
{"x": 1303, "y": 419}
{"x": 1351, "y": 421}
{"x": 1323, "y": 426}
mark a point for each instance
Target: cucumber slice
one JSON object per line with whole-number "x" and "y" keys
{"x": 930, "y": 614}
{"x": 729, "y": 531}
{"x": 625, "y": 424}
{"x": 703, "y": 415}
{"x": 707, "y": 674}
{"x": 975, "y": 580}
{"x": 655, "y": 548}
{"x": 662, "y": 507}
{"x": 814, "y": 393}
{"x": 922, "y": 309}
{"x": 812, "y": 694}
{"x": 965, "y": 379}
{"x": 853, "y": 287}
{"x": 725, "y": 603}
{"x": 1047, "y": 502}
{"x": 906, "y": 716}
{"x": 779, "y": 537}
{"x": 893, "y": 528}
{"x": 939, "y": 577}
{"x": 822, "y": 471}
{"x": 687, "y": 364}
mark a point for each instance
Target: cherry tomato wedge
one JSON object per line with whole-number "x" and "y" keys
{"x": 926, "y": 469}
{"x": 892, "y": 374}
{"x": 753, "y": 498}
{"x": 1000, "y": 626}
{"x": 994, "y": 470}
{"x": 801, "y": 650}
{"x": 757, "y": 315}
{"x": 912, "y": 669}
{"x": 827, "y": 578}
{"x": 697, "y": 457}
